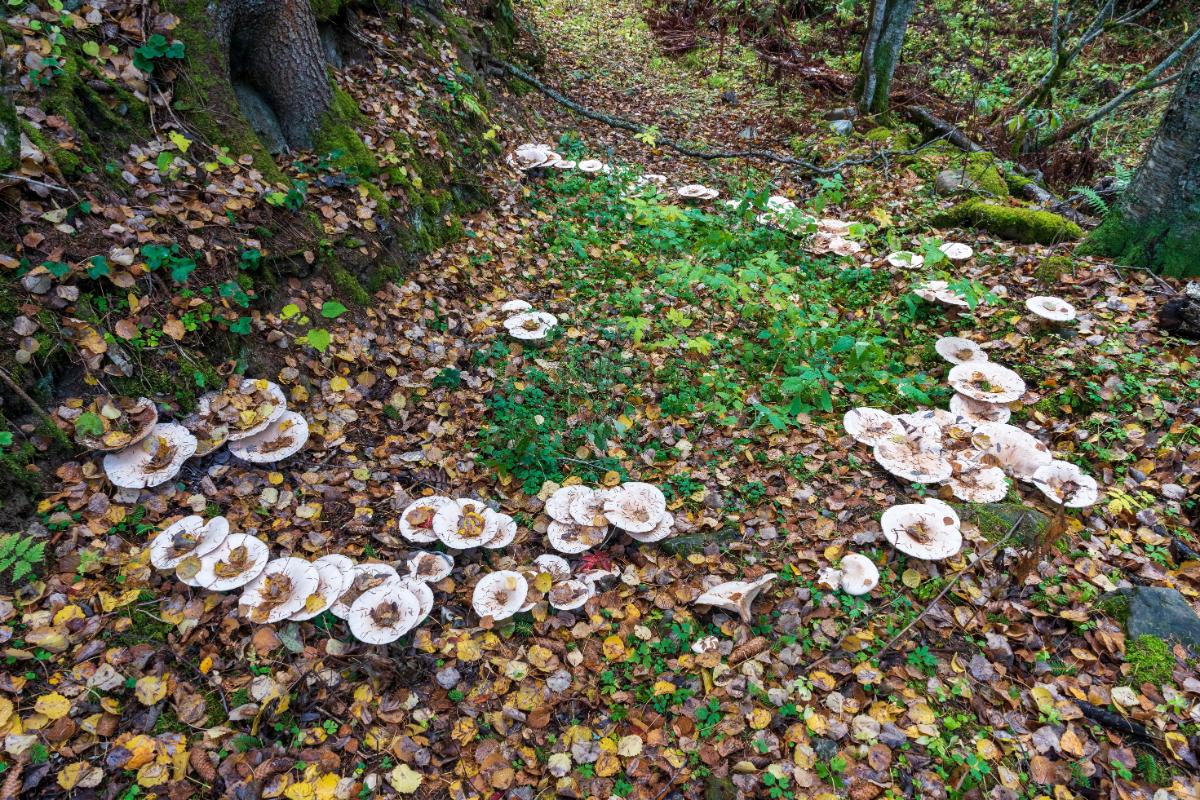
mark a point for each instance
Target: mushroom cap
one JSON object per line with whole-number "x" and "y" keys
{"x": 958, "y": 350}
{"x": 957, "y": 251}
{"x": 564, "y": 163}
{"x": 934, "y": 423}
{"x": 905, "y": 259}
{"x": 332, "y": 581}
{"x": 987, "y": 382}
{"x": 553, "y": 565}
{"x": 977, "y": 483}
{"x": 635, "y": 507}
{"x": 923, "y": 530}
{"x": 384, "y": 613}
{"x": 500, "y": 594}
{"x": 587, "y": 507}
{"x": 515, "y": 307}
{"x": 1016, "y": 451}
{"x": 429, "y": 566}
{"x": 569, "y": 594}
{"x": 591, "y": 166}
{"x": 361, "y": 578}
{"x": 506, "y": 530}
{"x": 270, "y": 406}
{"x": 977, "y": 412}
{"x": 531, "y": 156}
{"x": 416, "y": 520}
{"x": 570, "y": 538}
{"x": 238, "y": 560}
{"x": 210, "y": 432}
{"x": 190, "y": 536}
{"x": 664, "y": 528}
{"x": 126, "y": 421}
{"x": 1054, "y": 309}
{"x": 530, "y": 325}
{"x": 918, "y": 459}
{"x": 281, "y": 590}
{"x": 859, "y": 574}
{"x": 155, "y": 459}
{"x": 778, "y": 202}
{"x": 344, "y": 563}
{"x": 282, "y": 438}
{"x": 558, "y": 505}
{"x": 466, "y": 524}
{"x": 421, "y": 591}
{"x": 838, "y": 227}
{"x": 735, "y": 596}
{"x": 1066, "y": 484}
{"x": 842, "y": 246}
{"x": 697, "y": 191}
{"x": 870, "y": 426}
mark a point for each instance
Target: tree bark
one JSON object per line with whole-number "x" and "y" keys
{"x": 881, "y": 51}
{"x": 1156, "y": 222}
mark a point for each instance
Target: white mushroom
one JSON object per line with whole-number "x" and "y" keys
{"x": 430, "y": 567}
{"x": 505, "y": 527}
{"x": 420, "y": 589}
{"x": 565, "y": 163}
{"x": 913, "y": 458}
{"x": 957, "y": 251}
{"x": 587, "y": 507}
{"x": 1066, "y": 484}
{"x": 466, "y": 524}
{"x": 926, "y": 530}
{"x": 664, "y": 528}
{"x": 362, "y": 578}
{"x": 333, "y": 577}
{"x": 871, "y": 426}
{"x": 592, "y": 166}
{"x": 254, "y": 405}
{"x": 736, "y": 596}
{"x": 238, "y": 560}
{"x": 837, "y": 227}
{"x": 1054, "y": 309}
{"x": 859, "y": 574}
{"x": 570, "y": 538}
{"x": 905, "y": 259}
{"x": 499, "y": 594}
{"x": 975, "y": 482}
{"x": 383, "y": 614}
{"x": 958, "y": 350}
{"x": 155, "y": 459}
{"x": 635, "y": 507}
{"x": 416, "y": 521}
{"x": 558, "y": 506}
{"x": 829, "y": 578}
{"x": 515, "y": 307}
{"x": 124, "y": 421}
{"x": 987, "y": 382}
{"x": 282, "y": 438}
{"x": 530, "y": 325}
{"x": 976, "y": 411}
{"x": 554, "y": 566}
{"x": 281, "y": 590}
{"x": 1011, "y": 448}
{"x": 697, "y": 191}
{"x": 190, "y": 536}
{"x": 569, "y": 594}
{"x": 531, "y": 156}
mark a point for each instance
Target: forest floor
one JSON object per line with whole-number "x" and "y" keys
{"x": 700, "y": 351}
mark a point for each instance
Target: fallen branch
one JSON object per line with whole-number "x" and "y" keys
{"x": 1114, "y": 722}
{"x": 636, "y": 129}
{"x": 29, "y": 401}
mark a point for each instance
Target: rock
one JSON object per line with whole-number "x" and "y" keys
{"x": 261, "y": 117}
{"x": 842, "y": 127}
{"x": 694, "y": 542}
{"x": 994, "y": 520}
{"x": 748, "y": 133}
{"x": 1014, "y": 223}
{"x": 1180, "y": 316}
{"x": 843, "y": 112}
{"x": 729, "y": 96}
{"x": 1160, "y": 612}
{"x": 953, "y": 181}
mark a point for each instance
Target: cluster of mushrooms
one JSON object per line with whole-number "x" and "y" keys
{"x": 527, "y": 324}
{"x": 500, "y": 594}
{"x": 140, "y": 452}
{"x": 460, "y": 524}
{"x": 378, "y": 603}
{"x": 580, "y": 516}
{"x": 533, "y": 156}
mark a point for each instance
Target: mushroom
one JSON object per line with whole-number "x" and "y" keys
{"x": 587, "y": 507}
{"x": 124, "y": 421}
{"x": 155, "y": 459}
{"x": 554, "y": 566}
{"x": 430, "y": 567}
{"x": 332, "y": 580}
{"x": 735, "y": 596}
{"x": 987, "y": 382}
{"x": 281, "y": 590}
{"x": 825, "y": 242}
{"x": 506, "y": 530}
{"x": 383, "y": 614}
{"x": 829, "y": 577}
{"x": 530, "y": 325}
{"x": 592, "y": 166}
{"x": 905, "y": 259}
{"x": 975, "y": 482}
{"x": 976, "y": 411}
{"x": 569, "y": 594}
{"x": 635, "y": 507}
{"x": 210, "y": 431}
{"x": 531, "y": 156}
{"x": 957, "y": 251}
{"x": 859, "y": 574}
{"x": 837, "y": 227}
{"x": 913, "y": 458}
{"x": 420, "y": 589}
{"x": 498, "y": 595}
{"x": 238, "y": 560}
{"x": 935, "y": 423}
{"x": 564, "y": 164}
{"x": 697, "y": 191}
{"x": 1066, "y": 484}
{"x": 870, "y": 426}
{"x": 515, "y": 307}
{"x": 558, "y": 506}
{"x": 1052, "y": 309}
{"x": 958, "y": 350}
{"x": 571, "y": 538}
{"x": 282, "y": 438}
{"x": 662, "y": 530}
{"x": 190, "y": 536}
{"x": 249, "y": 408}
{"x": 940, "y": 292}
{"x": 1011, "y": 448}
{"x": 416, "y": 520}
{"x": 926, "y": 530}
{"x": 362, "y": 578}
{"x": 465, "y": 524}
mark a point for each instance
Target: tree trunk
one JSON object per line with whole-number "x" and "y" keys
{"x": 1156, "y": 222}
{"x": 880, "y": 53}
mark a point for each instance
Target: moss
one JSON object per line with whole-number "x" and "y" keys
{"x": 161, "y": 380}
{"x": 337, "y": 135}
{"x": 995, "y": 520}
{"x": 1150, "y": 660}
{"x": 349, "y": 285}
{"x": 1166, "y": 247}
{"x": 144, "y": 628}
{"x": 1016, "y": 183}
{"x": 1015, "y": 223}
{"x": 9, "y": 136}
{"x": 327, "y": 9}
{"x": 983, "y": 170}
{"x": 1051, "y": 270}
{"x": 1115, "y": 606}
{"x": 879, "y": 134}
{"x": 1154, "y": 771}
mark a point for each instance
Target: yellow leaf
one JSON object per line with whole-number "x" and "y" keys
{"x": 300, "y": 791}
{"x": 663, "y": 687}
{"x": 79, "y": 775}
{"x": 53, "y": 705}
{"x": 607, "y": 765}
{"x": 68, "y": 613}
{"x": 614, "y": 649}
{"x": 611, "y": 478}
{"x": 205, "y": 665}
{"x": 150, "y": 690}
{"x": 911, "y": 578}
{"x": 339, "y": 384}
{"x": 111, "y": 603}
{"x": 759, "y": 718}
{"x": 987, "y": 750}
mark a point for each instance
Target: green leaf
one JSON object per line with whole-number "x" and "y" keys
{"x": 180, "y": 141}
{"x": 89, "y": 424}
{"x": 99, "y": 267}
{"x": 332, "y": 309}
{"x": 181, "y": 269}
{"x": 6, "y": 438}
{"x": 57, "y": 268}
{"x": 242, "y": 326}
{"x": 319, "y": 339}
{"x": 289, "y": 311}
{"x": 91, "y": 48}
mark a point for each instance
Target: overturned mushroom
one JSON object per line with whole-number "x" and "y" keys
{"x": 976, "y": 411}
{"x": 926, "y": 530}
{"x": 282, "y": 438}
{"x": 155, "y": 459}
{"x": 281, "y": 590}
{"x": 190, "y": 536}
{"x": 238, "y": 560}
{"x": 383, "y": 614}
{"x": 987, "y": 382}
{"x": 416, "y": 520}
{"x": 1066, "y": 484}
{"x": 735, "y": 596}
{"x": 870, "y": 426}
{"x": 958, "y": 350}
{"x": 635, "y": 507}
{"x": 362, "y": 578}
{"x": 571, "y": 538}
{"x": 593, "y": 166}
{"x": 859, "y": 574}
{"x": 498, "y": 595}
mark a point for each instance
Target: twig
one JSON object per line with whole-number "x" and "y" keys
{"x": 29, "y": 401}
{"x": 51, "y": 186}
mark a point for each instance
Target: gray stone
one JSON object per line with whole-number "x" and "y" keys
{"x": 448, "y": 677}
{"x": 694, "y": 542}
{"x": 1161, "y": 612}
{"x": 261, "y": 117}
{"x": 824, "y": 748}
{"x": 843, "y": 112}
{"x": 842, "y": 127}
{"x": 953, "y": 181}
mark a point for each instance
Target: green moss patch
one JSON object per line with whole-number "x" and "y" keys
{"x": 1051, "y": 270}
{"x": 995, "y": 520}
{"x": 337, "y": 136}
{"x": 1150, "y": 660}
{"x": 1169, "y": 248}
{"x": 1015, "y": 223}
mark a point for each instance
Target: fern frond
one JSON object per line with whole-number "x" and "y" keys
{"x": 1094, "y": 200}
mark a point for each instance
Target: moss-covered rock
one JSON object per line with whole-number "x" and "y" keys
{"x": 995, "y": 520}
{"x": 1169, "y": 248}
{"x": 984, "y": 171}
{"x": 1150, "y": 660}
{"x": 1015, "y": 223}
{"x": 337, "y": 136}
{"x": 10, "y": 135}
{"x": 1051, "y": 270}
